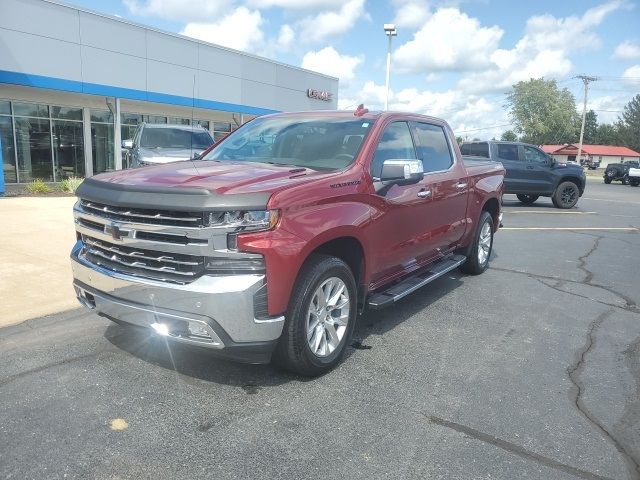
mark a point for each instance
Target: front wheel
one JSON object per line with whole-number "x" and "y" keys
{"x": 478, "y": 258}
{"x": 607, "y": 180}
{"x": 634, "y": 182}
{"x": 625, "y": 180}
{"x": 527, "y": 199}
{"x": 320, "y": 319}
{"x": 566, "y": 195}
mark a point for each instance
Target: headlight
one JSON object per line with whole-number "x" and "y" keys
{"x": 244, "y": 221}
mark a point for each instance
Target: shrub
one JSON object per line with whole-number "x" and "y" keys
{"x": 38, "y": 186}
{"x": 69, "y": 185}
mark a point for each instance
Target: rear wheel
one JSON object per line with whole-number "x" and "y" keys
{"x": 566, "y": 195}
{"x": 527, "y": 199}
{"x": 634, "y": 182}
{"x": 321, "y": 317}
{"x": 478, "y": 258}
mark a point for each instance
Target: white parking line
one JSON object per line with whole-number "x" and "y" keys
{"x": 623, "y": 229}
{"x": 549, "y": 212}
{"x": 610, "y": 200}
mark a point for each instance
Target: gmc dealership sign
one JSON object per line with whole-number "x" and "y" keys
{"x": 319, "y": 94}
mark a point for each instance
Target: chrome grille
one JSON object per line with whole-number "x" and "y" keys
{"x": 175, "y": 268}
{"x": 137, "y": 215}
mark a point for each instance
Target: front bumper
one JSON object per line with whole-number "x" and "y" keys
{"x": 219, "y": 309}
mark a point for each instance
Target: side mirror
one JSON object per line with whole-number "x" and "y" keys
{"x": 127, "y": 144}
{"x": 551, "y": 161}
{"x": 195, "y": 156}
{"x": 401, "y": 172}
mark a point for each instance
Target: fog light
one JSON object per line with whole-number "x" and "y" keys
{"x": 198, "y": 330}
{"x": 161, "y": 328}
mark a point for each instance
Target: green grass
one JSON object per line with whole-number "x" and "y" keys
{"x": 69, "y": 185}
{"x": 38, "y": 186}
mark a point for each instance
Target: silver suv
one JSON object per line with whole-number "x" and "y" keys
{"x": 154, "y": 144}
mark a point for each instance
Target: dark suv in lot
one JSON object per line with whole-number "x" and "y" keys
{"x": 619, "y": 171}
{"x": 531, "y": 173}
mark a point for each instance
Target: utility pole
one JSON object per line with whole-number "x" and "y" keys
{"x": 390, "y": 31}
{"x": 585, "y": 79}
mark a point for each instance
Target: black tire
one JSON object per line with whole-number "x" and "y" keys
{"x": 474, "y": 265}
{"x": 634, "y": 182}
{"x": 293, "y": 351}
{"x": 566, "y": 195}
{"x": 527, "y": 199}
{"x": 607, "y": 180}
{"x": 625, "y": 180}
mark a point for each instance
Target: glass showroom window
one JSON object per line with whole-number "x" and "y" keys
{"x": 6, "y": 137}
{"x": 102, "y": 141}
{"x": 220, "y": 130}
{"x": 68, "y": 142}
{"x": 33, "y": 141}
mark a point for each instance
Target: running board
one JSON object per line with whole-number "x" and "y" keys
{"x": 409, "y": 285}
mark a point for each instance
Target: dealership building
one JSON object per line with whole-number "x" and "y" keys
{"x": 75, "y": 83}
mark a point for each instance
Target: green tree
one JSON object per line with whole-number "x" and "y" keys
{"x": 460, "y": 140}
{"x": 630, "y": 124}
{"x": 608, "y": 134}
{"x": 509, "y": 136}
{"x": 542, "y": 113}
{"x": 590, "y": 127}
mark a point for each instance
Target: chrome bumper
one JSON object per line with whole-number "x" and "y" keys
{"x": 220, "y": 308}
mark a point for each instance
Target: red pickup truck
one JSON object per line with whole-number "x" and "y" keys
{"x": 274, "y": 241}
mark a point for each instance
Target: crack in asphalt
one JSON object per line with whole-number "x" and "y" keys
{"x": 629, "y": 305}
{"x": 42, "y": 368}
{"x": 515, "y": 449}
{"x": 583, "y": 261}
{"x": 577, "y": 391}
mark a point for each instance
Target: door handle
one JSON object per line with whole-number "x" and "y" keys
{"x": 529, "y": 167}
{"x": 460, "y": 186}
{"x": 424, "y": 193}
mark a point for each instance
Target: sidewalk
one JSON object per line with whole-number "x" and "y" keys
{"x": 35, "y": 274}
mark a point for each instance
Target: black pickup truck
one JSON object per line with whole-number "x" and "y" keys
{"x": 531, "y": 173}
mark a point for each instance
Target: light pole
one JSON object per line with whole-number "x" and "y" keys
{"x": 390, "y": 30}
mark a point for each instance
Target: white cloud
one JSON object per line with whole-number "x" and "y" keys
{"x": 240, "y": 29}
{"x": 286, "y": 37}
{"x": 330, "y": 62}
{"x": 296, "y": 4}
{"x": 449, "y": 40}
{"x": 543, "y": 51}
{"x": 627, "y": 51}
{"x": 184, "y": 10}
{"x": 325, "y": 25}
{"x": 411, "y": 13}
{"x": 632, "y": 75}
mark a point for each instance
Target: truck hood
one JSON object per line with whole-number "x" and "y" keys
{"x": 219, "y": 177}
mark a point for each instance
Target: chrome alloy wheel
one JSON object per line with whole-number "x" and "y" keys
{"x": 328, "y": 316}
{"x": 484, "y": 243}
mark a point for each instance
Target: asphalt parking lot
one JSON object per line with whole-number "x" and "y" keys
{"x": 531, "y": 370}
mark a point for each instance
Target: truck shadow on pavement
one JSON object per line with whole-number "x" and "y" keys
{"x": 201, "y": 364}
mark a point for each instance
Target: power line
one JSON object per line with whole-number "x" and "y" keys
{"x": 483, "y": 128}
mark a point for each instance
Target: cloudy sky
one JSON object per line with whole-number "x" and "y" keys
{"x": 452, "y": 59}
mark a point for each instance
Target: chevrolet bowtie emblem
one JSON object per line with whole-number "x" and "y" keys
{"x": 113, "y": 229}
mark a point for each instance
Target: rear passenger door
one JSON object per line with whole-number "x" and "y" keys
{"x": 515, "y": 181}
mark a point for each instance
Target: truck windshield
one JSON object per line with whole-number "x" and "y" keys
{"x": 317, "y": 143}
{"x": 174, "y": 138}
